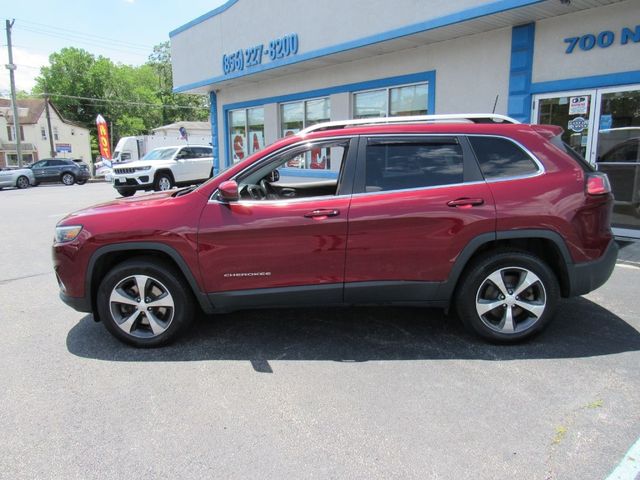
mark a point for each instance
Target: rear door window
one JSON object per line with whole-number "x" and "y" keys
{"x": 500, "y": 158}
{"x": 397, "y": 164}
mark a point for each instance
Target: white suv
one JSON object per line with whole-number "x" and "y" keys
{"x": 162, "y": 168}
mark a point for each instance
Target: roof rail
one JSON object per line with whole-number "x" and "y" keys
{"x": 455, "y": 117}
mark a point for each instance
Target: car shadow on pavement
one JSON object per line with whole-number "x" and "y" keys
{"x": 581, "y": 329}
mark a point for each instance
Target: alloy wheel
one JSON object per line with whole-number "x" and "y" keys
{"x": 164, "y": 183}
{"x": 141, "y": 306}
{"x": 511, "y": 300}
{"x": 67, "y": 179}
{"x": 23, "y": 182}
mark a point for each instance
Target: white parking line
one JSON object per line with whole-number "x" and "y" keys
{"x": 629, "y": 466}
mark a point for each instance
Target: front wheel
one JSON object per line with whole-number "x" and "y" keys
{"x": 68, "y": 178}
{"x": 22, "y": 182}
{"x": 126, "y": 193}
{"x": 507, "y": 296}
{"x": 143, "y": 302}
{"x": 163, "y": 182}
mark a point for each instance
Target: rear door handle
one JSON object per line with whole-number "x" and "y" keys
{"x": 465, "y": 202}
{"x": 322, "y": 213}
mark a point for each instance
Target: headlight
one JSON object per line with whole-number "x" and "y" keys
{"x": 142, "y": 169}
{"x": 67, "y": 233}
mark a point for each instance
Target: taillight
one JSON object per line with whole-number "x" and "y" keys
{"x": 598, "y": 183}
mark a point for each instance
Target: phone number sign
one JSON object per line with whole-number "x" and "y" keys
{"x": 278, "y": 48}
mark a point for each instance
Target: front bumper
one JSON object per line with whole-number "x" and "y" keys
{"x": 81, "y": 304}
{"x": 586, "y": 277}
{"x": 131, "y": 181}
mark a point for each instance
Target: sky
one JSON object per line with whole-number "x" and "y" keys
{"x": 123, "y": 30}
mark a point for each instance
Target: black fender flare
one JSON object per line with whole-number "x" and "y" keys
{"x": 447, "y": 288}
{"x": 142, "y": 247}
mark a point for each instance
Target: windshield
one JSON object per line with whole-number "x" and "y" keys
{"x": 160, "y": 154}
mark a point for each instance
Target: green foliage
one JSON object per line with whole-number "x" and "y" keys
{"x": 134, "y": 99}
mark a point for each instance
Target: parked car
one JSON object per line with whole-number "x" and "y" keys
{"x": 479, "y": 214}
{"x": 163, "y": 168}
{"x": 16, "y": 177}
{"x": 62, "y": 170}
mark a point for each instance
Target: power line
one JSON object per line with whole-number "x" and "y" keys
{"x": 123, "y": 102}
{"x": 92, "y": 43}
{"x": 55, "y": 29}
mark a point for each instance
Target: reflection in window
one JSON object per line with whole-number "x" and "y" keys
{"x": 296, "y": 116}
{"x": 391, "y": 102}
{"x": 240, "y": 122}
{"x": 413, "y": 164}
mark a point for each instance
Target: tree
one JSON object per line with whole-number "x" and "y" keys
{"x": 135, "y": 99}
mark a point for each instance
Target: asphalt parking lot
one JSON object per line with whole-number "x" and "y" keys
{"x": 351, "y": 393}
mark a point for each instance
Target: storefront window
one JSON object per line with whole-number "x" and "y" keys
{"x": 296, "y": 116}
{"x": 391, "y": 102}
{"x": 240, "y": 122}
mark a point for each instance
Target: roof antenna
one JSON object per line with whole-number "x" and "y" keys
{"x": 494, "y": 104}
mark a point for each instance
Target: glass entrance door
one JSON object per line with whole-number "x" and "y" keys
{"x": 604, "y": 126}
{"x": 618, "y": 153}
{"x": 574, "y": 112}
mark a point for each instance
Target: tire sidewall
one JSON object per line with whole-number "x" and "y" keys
{"x": 164, "y": 273}
{"x": 65, "y": 175}
{"x": 485, "y": 266}
{"x": 22, "y": 177}
{"x": 161, "y": 176}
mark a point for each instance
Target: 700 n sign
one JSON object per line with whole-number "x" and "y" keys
{"x": 603, "y": 39}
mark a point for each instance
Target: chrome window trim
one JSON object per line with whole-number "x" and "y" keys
{"x": 541, "y": 170}
{"x": 419, "y": 188}
{"x": 280, "y": 202}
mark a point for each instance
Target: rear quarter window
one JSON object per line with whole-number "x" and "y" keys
{"x": 501, "y": 158}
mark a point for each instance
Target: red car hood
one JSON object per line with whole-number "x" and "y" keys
{"x": 120, "y": 204}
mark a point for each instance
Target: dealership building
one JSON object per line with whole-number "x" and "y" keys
{"x": 274, "y": 68}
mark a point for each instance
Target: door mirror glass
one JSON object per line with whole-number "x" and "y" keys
{"x": 229, "y": 191}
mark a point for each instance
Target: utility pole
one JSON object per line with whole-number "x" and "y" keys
{"x": 46, "y": 109}
{"x": 12, "y": 67}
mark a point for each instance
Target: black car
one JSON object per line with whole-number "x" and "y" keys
{"x": 63, "y": 170}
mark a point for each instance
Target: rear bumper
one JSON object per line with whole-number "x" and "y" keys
{"x": 586, "y": 277}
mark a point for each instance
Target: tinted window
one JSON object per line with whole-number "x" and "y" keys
{"x": 56, "y": 163}
{"x": 623, "y": 152}
{"x": 397, "y": 165}
{"x": 501, "y": 158}
{"x": 202, "y": 152}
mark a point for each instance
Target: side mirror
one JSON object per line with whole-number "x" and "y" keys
{"x": 228, "y": 191}
{"x": 274, "y": 176}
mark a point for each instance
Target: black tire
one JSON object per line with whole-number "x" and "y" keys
{"x": 477, "y": 292}
{"x": 36, "y": 184}
{"x": 126, "y": 193}
{"x": 68, "y": 178}
{"x": 22, "y": 182}
{"x": 163, "y": 182}
{"x": 81, "y": 182}
{"x": 141, "y": 334}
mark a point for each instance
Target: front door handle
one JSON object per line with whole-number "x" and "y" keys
{"x": 465, "y": 202}
{"x": 322, "y": 213}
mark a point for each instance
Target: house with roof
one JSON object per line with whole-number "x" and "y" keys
{"x": 65, "y": 139}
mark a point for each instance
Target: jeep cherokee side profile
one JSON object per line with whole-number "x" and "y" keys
{"x": 494, "y": 219}
{"x": 163, "y": 168}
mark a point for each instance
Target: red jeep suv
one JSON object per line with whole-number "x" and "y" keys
{"x": 479, "y": 213}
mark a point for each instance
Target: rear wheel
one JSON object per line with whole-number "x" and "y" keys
{"x": 143, "y": 302}
{"x": 22, "y": 182}
{"x": 507, "y": 296}
{"x": 126, "y": 193}
{"x": 68, "y": 178}
{"x": 163, "y": 182}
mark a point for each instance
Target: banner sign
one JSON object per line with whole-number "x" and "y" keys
{"x": 103, "y": 137}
